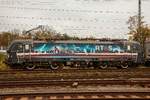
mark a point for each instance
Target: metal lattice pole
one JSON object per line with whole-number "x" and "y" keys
{"x": 139, "y": 17}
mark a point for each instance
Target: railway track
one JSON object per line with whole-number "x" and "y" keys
{"x": 73, "y": 87}
{"x": 75, "y": 82}
{"x": 73, "y": 74}
{"x": 79, "y": 96}
{"x": 68, "y": 70}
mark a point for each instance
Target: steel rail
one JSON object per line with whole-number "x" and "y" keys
{"x": 70, "y": 82}
{"x": 80, "y": 95}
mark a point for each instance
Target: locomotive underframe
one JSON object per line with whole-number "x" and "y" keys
{"x": 55, "y": 62}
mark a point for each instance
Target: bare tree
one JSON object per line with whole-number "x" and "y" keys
{"x": 141, "y": 33}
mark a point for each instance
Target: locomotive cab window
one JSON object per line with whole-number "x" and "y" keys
{"x": 17, "y": 48}
{"x": 135, "y": 48}
{"x": 20, "y": 48}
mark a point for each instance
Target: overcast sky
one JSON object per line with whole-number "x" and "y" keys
{"x": 83, "y": 18}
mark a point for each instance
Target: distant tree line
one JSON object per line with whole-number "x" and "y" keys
{"x": 6, "y": 38}
{"x": 37, "y": 33}
{"x": 140, "y": 34}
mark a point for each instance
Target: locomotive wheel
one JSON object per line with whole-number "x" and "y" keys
{"x": 30, "y": 67}
{"x": 124, "y": 66}
{"x": 103, "y": 66}
{"x": 55, "y": 66}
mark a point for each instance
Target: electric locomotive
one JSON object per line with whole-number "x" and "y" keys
{"x": 74, "y": 53}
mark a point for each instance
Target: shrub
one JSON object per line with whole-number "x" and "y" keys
{"x": 2, "y": 65}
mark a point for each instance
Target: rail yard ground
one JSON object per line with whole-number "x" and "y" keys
{"x": 44, "y": 84}
{"x": 74, "y": 83}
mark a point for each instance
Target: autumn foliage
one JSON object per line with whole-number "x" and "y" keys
{"x": 139, "y": 33}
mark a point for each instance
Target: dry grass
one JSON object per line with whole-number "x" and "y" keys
{"x": 2, "y": 65}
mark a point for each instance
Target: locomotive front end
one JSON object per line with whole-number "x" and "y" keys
{"x": 16, "y": 51}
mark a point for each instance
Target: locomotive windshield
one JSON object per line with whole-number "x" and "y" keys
{"x": 18, "y": 47}
{"x": 136, "y": 47}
